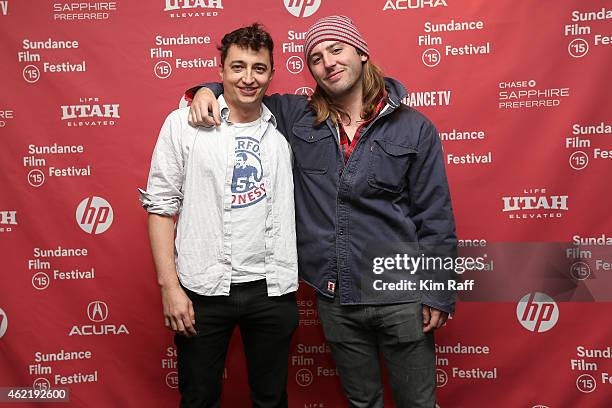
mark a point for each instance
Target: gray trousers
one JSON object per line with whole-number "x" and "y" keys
{"x": 358, "y": 334}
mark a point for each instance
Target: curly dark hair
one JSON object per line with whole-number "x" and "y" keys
{"x": 253, "y": 37}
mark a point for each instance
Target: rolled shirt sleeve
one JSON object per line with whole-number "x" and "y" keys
{"x": 164, "y": 193}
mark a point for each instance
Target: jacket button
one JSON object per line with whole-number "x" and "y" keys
{"x": 341, "y": 232}
{"x": 311, "y": 137}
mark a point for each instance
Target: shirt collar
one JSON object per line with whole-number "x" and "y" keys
{"x": 382, "y": 104}
{"x": 266, "y": 115}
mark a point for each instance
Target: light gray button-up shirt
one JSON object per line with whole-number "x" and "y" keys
{"x": 191, "y": 175}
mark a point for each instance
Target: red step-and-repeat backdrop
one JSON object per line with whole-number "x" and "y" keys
{"x": 519, "y": 90}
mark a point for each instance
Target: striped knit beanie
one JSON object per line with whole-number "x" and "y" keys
{"x": 334, "y": 28}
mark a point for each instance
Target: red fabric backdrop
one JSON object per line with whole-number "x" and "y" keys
{"x": 519, "y": 91}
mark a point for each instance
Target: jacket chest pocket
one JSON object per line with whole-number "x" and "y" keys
{"x": 389, "y": 164}
{"x": 312, "y": 149}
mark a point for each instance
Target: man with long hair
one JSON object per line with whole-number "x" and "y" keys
{"x": 369, "y": 175}
{"x": 234, "y": 260}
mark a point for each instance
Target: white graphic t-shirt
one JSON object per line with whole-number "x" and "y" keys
{"x": 248, "y": 205}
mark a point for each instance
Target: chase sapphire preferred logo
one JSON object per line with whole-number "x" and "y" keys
{"x": 247, "y": 183}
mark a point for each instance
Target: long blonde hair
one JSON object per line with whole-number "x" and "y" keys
{"x": 373, "y": 85}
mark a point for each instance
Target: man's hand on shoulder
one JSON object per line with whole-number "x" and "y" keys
{"x": 433, "y": 318}
{"x": 178, "y": 311}
{"x": 204, "y": 102}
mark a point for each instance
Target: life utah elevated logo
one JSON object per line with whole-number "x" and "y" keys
{"x": 181, "y": 9}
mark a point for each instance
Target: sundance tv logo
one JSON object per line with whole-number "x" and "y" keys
{"x": 97, "y": 312}
{"x": 94, "y": 215}
{"x": 537, "y": 312}
{"x": 302, "y": 8}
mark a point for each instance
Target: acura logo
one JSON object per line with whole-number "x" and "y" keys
{"x": 97, "y": 311}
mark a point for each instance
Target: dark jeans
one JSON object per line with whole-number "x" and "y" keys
{"x": 356, "y": 336}
{"x": 266, "y": 326}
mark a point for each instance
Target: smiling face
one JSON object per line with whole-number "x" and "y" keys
{"x": 337, "y": 67}
{"x": 246, "y": 74}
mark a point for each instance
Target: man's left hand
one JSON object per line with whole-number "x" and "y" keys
{"x": 433, "y": 318}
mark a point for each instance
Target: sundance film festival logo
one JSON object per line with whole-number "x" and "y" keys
{"x": 41, "y": 383}
{"x": 586, "y": 383}
{"x": 537, "y": 312}
{"x": 172, "y": 379}
{"x": 295, "y": 64}
{"x": 304, "y": 377}
{"x": 97, "y": 312}
{"x": 94, "y": 215}
{"x": 3, "y": 323}
{"x": 441, "y": 378}
{"x": 302, "y": 8}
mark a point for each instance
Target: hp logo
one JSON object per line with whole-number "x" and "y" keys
{"x": 302, "y": 8}
{"x": 537, "y": 312}
{"x": 94, "y": 215}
